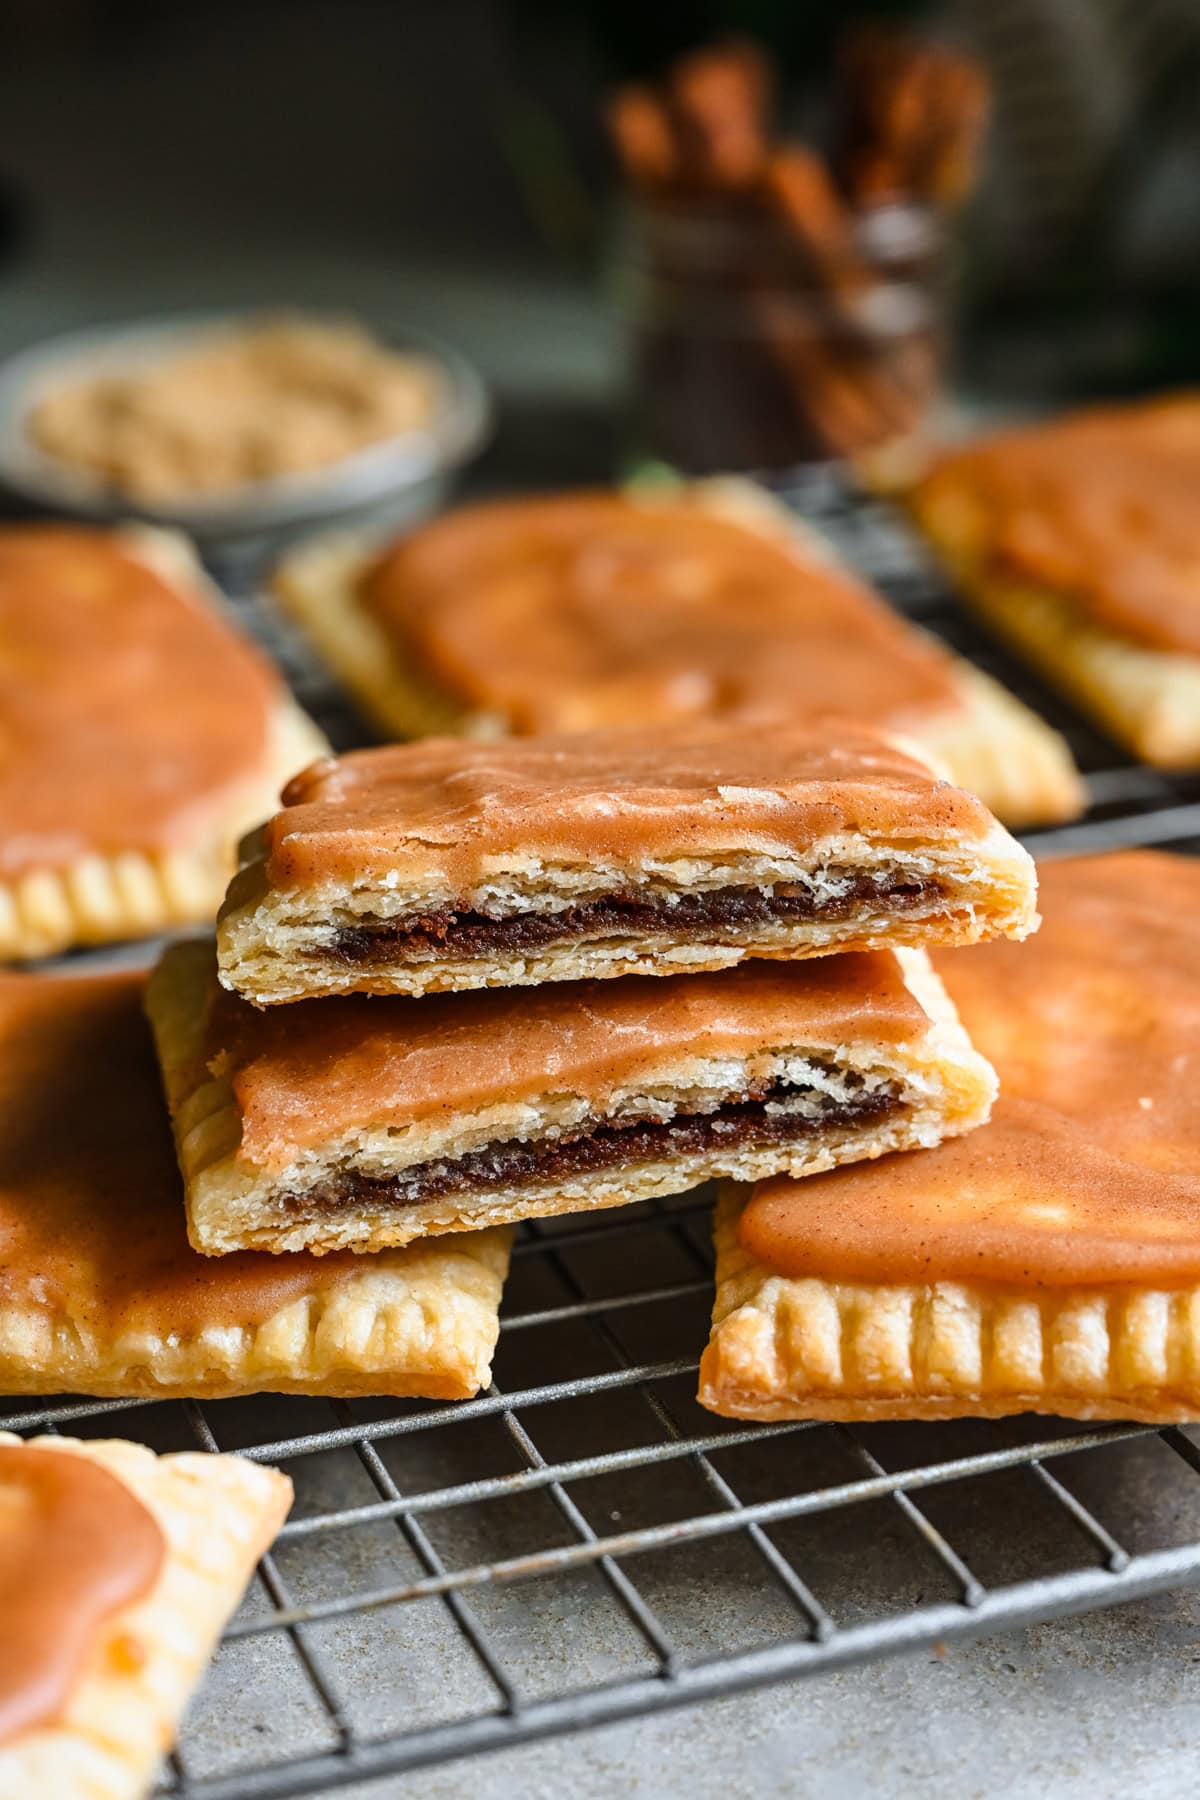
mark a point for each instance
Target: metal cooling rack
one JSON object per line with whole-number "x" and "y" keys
{"x": 582, "y": 1543}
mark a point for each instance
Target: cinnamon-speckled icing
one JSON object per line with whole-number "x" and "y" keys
{"x": 591, "y": 609}
{"x": 129, "y": 712}
{"x": 1089, "y": 1171}
{"x": 450, "y": 807}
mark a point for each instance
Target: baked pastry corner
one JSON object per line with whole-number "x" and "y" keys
{"x": 217, "y": 1516}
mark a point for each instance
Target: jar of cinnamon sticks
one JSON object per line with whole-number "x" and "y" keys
{"x": 783, "y": 308}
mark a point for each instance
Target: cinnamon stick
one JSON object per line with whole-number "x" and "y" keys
{"x": 645, "y": 139}
{"x": 721, "y": 98}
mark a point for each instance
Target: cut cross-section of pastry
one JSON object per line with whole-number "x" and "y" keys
{"x": 118, "y": 1569}
{"x": 593, "y": 610}
{"x": 447, "y": 865}
{"x": 100, "y": 1292}
{"x": 357, "y": 1123}
{"x": 1078, "y": 540}
{"x": 142, "y": 736}
{"x": 1050, "y": 1262}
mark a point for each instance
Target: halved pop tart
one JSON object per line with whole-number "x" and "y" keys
{"x": 358, "y": 1123}
{"x": 447, "y": 864}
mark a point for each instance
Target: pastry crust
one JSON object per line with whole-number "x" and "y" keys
{"x": 361, "y": 883}
{"x": 103, "y": 898}
{"x": 990, "y": 743}
{"x": 1048, "y": 1263}
{"x": 316, "y": 584}
{"x": 419, "y": 1322}
{"x": 941, "y": 1087}
{"x": 99, "y": 1290}
{"x": 217, "y": 1515}
{"x": 787, "y": 1348}
{"x": 1145, "y": 693}
{"x": 1147, "y": 699}
{"x": 996, "y": 747}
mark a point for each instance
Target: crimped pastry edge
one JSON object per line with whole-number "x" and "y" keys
{"x": 992, "y": 744}
{"x": 804, "y": 1348}
{"x": 218, "y": 1514}
{"x": 102, "y": 898}
{"x": 1148, "y": 699}
{"x": 412, "y": 1322}
{"x": 229, "y": 1201}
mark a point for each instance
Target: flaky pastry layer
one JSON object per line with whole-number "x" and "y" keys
{"x": 990, "y": 743}
{"x": 789, "y": 1348}
{"x": 1148, "y": 699}
{"x": 941, "y": 1085}
{"x": 103, "y": 898}
{"x": 277, "y": 945}
{"x": 217, "y": 1514}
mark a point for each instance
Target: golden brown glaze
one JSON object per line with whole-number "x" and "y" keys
{"x": 1029, "y": 1198}
{"x": 1090, "y": 1169}
{"x": 595, "y": 609}
{"x": 444, "y": 806}
{"x": 91, "y": 1205}
{"x": 76, "y": 1546}
{"x": 128, "y": 711}
{"x": 303, "y": 1074}
{"x": 1100, "y": 507}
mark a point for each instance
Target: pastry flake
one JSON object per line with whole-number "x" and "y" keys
{"x": 448, "y": 865}
{"x": 143, "y": 738}
{"x": 359, "y": 1122}
{"x": 1077, "y": 540}
{"x": 601, "y": 610}
{"x": 1052, "y": 1262}
{"x": 117, "y": 1705}
{"x": 100, "y": 1292}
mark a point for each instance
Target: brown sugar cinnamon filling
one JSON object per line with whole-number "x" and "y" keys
{"x": 447, "y": 933}
{"x": 739, "y": 1124}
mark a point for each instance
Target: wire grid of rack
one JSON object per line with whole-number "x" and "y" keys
{"x": 581, "y": 1543}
